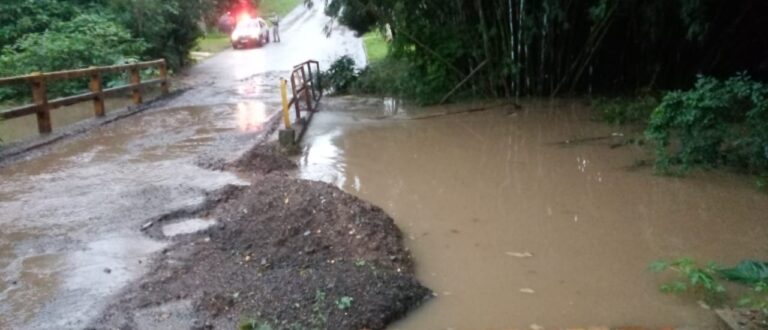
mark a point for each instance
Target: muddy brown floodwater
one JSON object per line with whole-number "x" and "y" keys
{"x": 26, "y": 127}
{"x": 512, "y": 228}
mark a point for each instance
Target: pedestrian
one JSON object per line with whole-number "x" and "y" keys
{"x": 275, "y": 20}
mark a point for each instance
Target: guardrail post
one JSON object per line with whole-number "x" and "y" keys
{"x": 286, "y": 136}
{"x": 306, "y": 92}
{"x": 98, "y": 98}
{"x": 319, "y": 81}
{"x": 165, "y": 86}
{"x": 295, "y": 97}
{"x": 312, "y": 82}
{"x": 136, "y": 82}
{"x": 284, "y": 99}
{"x": 40, "y": 97}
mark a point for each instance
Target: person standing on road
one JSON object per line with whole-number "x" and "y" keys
{"x": 275, "y": 20}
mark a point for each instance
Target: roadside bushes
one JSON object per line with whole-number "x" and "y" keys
{"x": 169, "y": 28}
{"x": 340, "y": 76}
{"x": 87, "y": 40}
{"x": 21, "y": 17}
{"x": 706, "y": 282}
{"x": 625, "y": 110}
{"x": 389, "y": 76}
{"x": 717, "y": 123}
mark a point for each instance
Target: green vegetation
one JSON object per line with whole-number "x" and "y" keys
{"x": 386, "y": 77}
{"x": 281, "y": 7}
{"x": 717, "y": 123}
{"x": 322, "y": 306}
{"x": 344, "y": 303}
{"x": 705, "y": 282}
{"x": 87, "y": 40}
{"x": 340, "y": 76}
{"x": 51, "y": 35}
{"x": 319, "y": 316}
{"x": 553, "y": 47}
{"x": 213, "y": 42}
{"x": 692, "y": 278}
{"x": 625, "y": 110}
{"x": 375, "y": 46}
{"x": 255, "y": 325}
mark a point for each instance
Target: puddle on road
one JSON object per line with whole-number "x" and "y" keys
{"x": 69, "y": 230}
{"x": 510, "y": 228}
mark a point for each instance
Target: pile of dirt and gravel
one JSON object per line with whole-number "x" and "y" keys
{"x": 285, "y": 254}
{"x": 262, "y": 159}
{"x": 257, "y": 162}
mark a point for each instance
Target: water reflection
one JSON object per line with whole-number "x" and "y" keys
{"x": 251, "y": 116}
{"x": 324, "y": 161}
{"x": 391, "y": 106}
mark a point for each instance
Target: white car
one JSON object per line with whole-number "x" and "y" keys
{"x": 252, "y": 31}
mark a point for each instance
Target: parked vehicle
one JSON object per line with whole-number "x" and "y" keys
{"x": 250, "y": 32}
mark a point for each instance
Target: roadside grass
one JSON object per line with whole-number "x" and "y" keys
{"x": 280, "y": 7}
{"x": 375, "y": 46}
{"x": 213, "y": 42}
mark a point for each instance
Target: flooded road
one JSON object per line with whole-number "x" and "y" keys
{"x": 26, "y": 127}
{"x": 512, "y": 228}
{"x": 70, "y": 218}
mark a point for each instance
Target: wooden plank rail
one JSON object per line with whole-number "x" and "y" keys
{"x": 42, "y": 106}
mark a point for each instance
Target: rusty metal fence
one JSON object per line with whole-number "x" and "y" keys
{"x": 307, "y": 90}
{"x": 42, "y": 107}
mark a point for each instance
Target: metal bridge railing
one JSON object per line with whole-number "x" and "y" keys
{"x": 307, "y": 91}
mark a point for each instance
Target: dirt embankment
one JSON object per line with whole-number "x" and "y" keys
{"x": 285, "y": 254}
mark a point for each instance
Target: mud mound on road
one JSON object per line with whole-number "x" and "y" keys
{"x": 262, "y": 159}
{"x": 287, "y": 253}
{"x": 257, "y": 162}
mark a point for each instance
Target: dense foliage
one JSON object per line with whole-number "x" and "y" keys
{"x": 86, "y": 40}
{"x": 163, "y": 29}
{"x": 625, "y": 110}
{"x": 715, "y": 123}
{"x": 50, "y": 35}
{"x": 553, "y": 46}
{"x": 340, "y": 76}
{"x": 706, "y": 283}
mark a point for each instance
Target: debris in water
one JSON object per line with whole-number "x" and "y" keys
{"x": 527, "y": 290}
{"x": 147, "y": 225}
{"x": 536, "y": 327}
{"x": 525, "y": 254}
{"x": 107, "y": 270}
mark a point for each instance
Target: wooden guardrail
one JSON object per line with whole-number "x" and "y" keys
{"x": 42, "y": 107}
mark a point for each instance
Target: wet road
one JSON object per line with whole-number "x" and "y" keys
{"x": 513, "y": 229}
{"x": 70, "y": 219}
